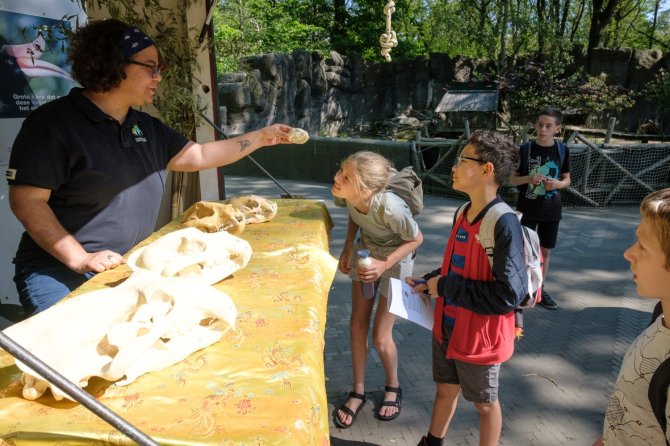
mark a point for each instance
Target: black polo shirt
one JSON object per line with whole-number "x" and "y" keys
{"x": 106, "y": 179}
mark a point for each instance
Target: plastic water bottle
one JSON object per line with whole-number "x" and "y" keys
{"x": 364, "y": 260}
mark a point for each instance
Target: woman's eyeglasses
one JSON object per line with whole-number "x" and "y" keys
{"x": 156, "y": 70}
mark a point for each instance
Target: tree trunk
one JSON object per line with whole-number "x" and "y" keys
{"x": 564, "y": 19}
{"x": 340, "y": 17}
{"x": 483, "y": 16}
{"x": 502, "y": 57}
{"x": 541, "y": 14}
{"x": 657, "y": 3}
{"x": 577, "y": 20}
{"x": 601, "y": 14}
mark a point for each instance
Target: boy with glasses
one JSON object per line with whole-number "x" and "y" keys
{"x": 473, "y": 328}
{"x": 544, "y": 169}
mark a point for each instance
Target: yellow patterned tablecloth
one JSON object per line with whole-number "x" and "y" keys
{"x": 263, "y": 384}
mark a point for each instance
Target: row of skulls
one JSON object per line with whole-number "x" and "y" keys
{"x": 163, "y": 312}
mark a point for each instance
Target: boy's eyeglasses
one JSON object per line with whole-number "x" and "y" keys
{"x": 156, "y": 70}
{"x": 459, "y": 159}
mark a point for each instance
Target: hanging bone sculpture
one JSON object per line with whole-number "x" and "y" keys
{"x": 388, "y": 40}
{"x": 143, "y": 325}
{"x": 206, "y": 257}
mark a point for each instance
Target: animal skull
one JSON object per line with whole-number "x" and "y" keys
{"x": 255, "y": 209}
{"x": 209, "y": 216}
{"x": 298, "y": 136}
{"x": 207, "y": 257}
{"x": 143, "y": 325}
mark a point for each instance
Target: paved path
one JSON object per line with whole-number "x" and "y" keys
{"x": 554, "y": 389}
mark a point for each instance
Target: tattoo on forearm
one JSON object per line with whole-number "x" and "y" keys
{"x": 244, "y": 144}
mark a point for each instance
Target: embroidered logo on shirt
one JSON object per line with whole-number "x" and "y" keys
{"x": 462, "y": 235}
{"x": 137, "y": 132}
{"x": 10, "y": 174}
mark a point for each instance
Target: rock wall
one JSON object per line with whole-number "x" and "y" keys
{"x": 342, "y": 94}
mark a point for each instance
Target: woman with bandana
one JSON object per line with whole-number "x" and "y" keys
{"x": 87, "y": 171}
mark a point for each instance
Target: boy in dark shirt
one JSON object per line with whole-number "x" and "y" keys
{"x": 544, "y": 169}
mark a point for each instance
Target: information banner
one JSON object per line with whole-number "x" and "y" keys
{"x": 33, "y": 62}
{"x": 33, "y": 71}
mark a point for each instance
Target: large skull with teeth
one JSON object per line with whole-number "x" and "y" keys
{"x": 209, "y": 216}
{"x": 255, "y": 209}
{"x": 145, "y": 324}
{"x": 208, "y": 257}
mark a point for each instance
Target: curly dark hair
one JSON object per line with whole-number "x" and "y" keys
{"x": 499, "y": 150}
{"x": 96, "y": 57}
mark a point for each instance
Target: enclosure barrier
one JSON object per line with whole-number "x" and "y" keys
{"x": 603, "y": 174}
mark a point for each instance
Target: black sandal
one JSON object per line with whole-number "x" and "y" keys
{"x": 348, "y": 411}
{"x": 396, "y": 403}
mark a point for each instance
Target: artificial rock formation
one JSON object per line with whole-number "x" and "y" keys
{"x": 339, "y": 94}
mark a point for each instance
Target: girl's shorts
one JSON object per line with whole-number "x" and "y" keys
{"x": 400, "y": 270}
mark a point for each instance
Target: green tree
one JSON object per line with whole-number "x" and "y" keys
{"x": 248, "y": 27}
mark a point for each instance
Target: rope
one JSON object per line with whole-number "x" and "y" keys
{"x": 388, "y": 40}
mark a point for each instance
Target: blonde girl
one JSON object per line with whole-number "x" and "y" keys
{"x": 384, "y": 225}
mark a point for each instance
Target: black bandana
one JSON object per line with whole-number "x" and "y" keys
{"x": 133, "y": 41}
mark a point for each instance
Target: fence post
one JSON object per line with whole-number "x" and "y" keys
{"x": 524, "y": 132}
{"x": 610, "y": 130}
{"x": 417, "y": 155}
{"x": 466, "y": 124}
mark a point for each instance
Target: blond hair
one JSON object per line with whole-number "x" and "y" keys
{"x": 656, "y": 209}
{"x": 372, "y": 169}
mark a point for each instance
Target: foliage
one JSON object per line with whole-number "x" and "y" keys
{"x": 248, "y": 27}
{"x": 658, "y": 91}
{"x": 176, "y": 101}
{"x": 537, "y": 86}
{"x": 471, "y": 28}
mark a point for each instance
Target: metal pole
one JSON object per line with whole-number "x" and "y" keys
{"x": 216, "y": 127}
{"x": 74, "y": 391}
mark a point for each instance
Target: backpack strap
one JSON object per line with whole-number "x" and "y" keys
{"x": 458, "y": 213}
{"x": 658, "y": 393}
{"x": 524, "y": 158}
{"x": 659, "y": 383}
{"x": 486, "y": 234}
{"x": 561, "y": 155}
{"x": 658, "y": 311}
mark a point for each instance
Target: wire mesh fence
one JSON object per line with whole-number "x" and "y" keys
{"x": 601, "y": 174}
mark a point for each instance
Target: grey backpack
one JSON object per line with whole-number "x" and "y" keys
{"x": 407, "y": 185}
{"x": 532, "y": 256}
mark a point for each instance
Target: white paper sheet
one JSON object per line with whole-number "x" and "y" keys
{"x": 415, "y": 307}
